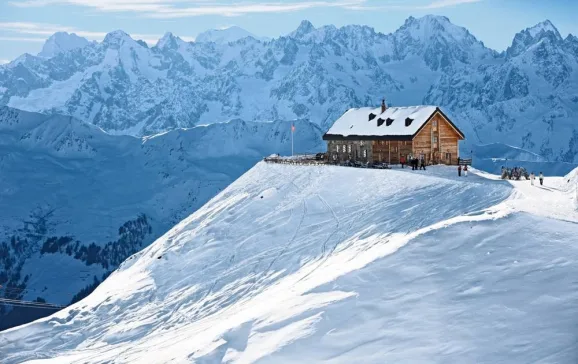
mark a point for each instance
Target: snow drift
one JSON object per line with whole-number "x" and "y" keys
{"x": 336, "y": 264}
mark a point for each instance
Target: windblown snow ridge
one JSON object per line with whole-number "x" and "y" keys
{"x": 252, "y": 261}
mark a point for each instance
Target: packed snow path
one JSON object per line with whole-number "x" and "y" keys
{"x": 294, "y": 263}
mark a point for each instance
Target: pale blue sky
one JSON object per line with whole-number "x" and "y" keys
{"x": 25, "y": 24}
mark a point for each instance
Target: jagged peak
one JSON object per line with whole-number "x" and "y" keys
{"x": 532, "y": 35}
{"x": 545, "y": 26}
{"x": 117, "y": 37}
{"x": 226, "y": 35}
{"x": 428, "y": 18}
{"x": 168, "y": 40}
{"x": 62, "y": 42}
{"x": 304, "y": 28}
{"x": 429, "y": 26}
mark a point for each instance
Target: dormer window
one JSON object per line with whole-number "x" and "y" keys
{"x": 388, "y": 121}
{"x": 380, "y": 122}
{"x": 408, "y": 121}
{"x": 372, "y": 116}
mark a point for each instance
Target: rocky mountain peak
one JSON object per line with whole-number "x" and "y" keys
{"x": 169, "y": 41}
{"x": 543, "y": 27}
{"x": 61, "y": 42}
{"x": 304, "y": 28}
{"x": 117, "y": 38}
{"x": 226, "y": 35}
{"x": 530, "y": 36}
{"x": 439, "y": 41}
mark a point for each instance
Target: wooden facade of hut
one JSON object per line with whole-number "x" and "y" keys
{"x": 389, "y": 135}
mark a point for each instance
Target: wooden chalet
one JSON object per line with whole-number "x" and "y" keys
{"x": 386, "y": 135}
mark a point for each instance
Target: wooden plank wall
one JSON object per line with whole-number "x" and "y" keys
{"x": 447, "y": 138}
{"x": 422, "y": 143}
{"x": 382, "y": 148}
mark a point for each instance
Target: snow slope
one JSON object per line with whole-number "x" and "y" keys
{"x": 75, "y": 202}
{"x": 332, "y": 264}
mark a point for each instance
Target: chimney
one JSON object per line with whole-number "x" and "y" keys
{"x": 383, "y": 107}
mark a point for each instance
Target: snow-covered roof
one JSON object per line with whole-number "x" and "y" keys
{"x": 395, "y": 121}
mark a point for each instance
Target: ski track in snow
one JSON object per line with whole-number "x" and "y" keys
{"x": 287, "y": 288}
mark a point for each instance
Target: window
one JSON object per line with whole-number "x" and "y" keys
{"x": 435, "y": 123}
{"x": 364, "y": 153}
{"x": 349, "y": 148}
{"x": 448, "y": 156}
{"x": 435, "y": 139}
{"x": 337, "y": 148}
{"x": 344, "y": 148}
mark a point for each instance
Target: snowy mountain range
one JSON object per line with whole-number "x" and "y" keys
{"x": 286, "y": 265}
{"x": 75, "y": 201}
{"x": 526, "y": 97}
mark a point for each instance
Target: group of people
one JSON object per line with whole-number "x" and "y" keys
{"x": 514, "y": 173}
{"x": 415, "y": 163}
{"x": 517, "y": 173}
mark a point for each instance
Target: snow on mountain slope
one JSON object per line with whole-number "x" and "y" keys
{"x": 529, "y": 99}
{"x": 313, "y": 74}
{"x": 75, "y": 201}
{"x": 62, "y": 42}
{"x": 293, "y": 263}
{"x": 226, "y": 35}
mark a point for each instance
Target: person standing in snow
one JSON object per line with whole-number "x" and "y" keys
{"x": 466, "y": 170}
{"x": 541, "y": 178}
{"x": 402, "y": 161}
{"x": 422, "y": 161}
{"x": 459, "y": 170}
{"x": 532, "y": 178}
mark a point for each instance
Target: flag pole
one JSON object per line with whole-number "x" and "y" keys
{"x": 292, "y": 131}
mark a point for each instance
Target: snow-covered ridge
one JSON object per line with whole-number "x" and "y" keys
{"x": 76, "y": 201}
{"x": 545, "y": 26}
{"x": 62, "y": 42}
{"x": 226, "y": 35}
{"x": 427, "y": 263}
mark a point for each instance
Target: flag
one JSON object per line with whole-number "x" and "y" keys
{"x": 293, "y": 127}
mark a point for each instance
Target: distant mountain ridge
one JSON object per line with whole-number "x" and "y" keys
{"x": 226, "y": 35}
{"x": 526, "y": 96}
